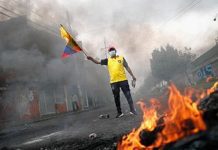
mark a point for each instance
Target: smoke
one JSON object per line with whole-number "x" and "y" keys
{"x": 135, "y": 28}
{"x": 30, "y": 59}
{"x": 26, "y": 63}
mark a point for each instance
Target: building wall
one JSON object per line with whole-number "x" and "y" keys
{"x": 206, "y": 65}
{"x": 15, "y": 100}
{"x": 58, "y": 85}
{"x": 206, "y": 70}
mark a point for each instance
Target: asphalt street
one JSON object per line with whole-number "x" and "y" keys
{"x": 77, "y": 125}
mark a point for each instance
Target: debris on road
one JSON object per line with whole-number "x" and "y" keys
{"x": 104, "y": 116}
{"x": 92, "y": 135}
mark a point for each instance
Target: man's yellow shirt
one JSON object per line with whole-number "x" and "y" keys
{"x": 116, "y": 69}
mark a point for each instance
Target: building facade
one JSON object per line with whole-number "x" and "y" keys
{"x": 206, "y": 65}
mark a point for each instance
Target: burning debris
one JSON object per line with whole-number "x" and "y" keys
{"x": 182, "y": 119}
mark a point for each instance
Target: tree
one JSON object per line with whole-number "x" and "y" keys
{"x": 167, "y": 62}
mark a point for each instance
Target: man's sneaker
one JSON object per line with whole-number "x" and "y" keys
{"x": 133, "y": 112}
{"x": 119, "y": 115}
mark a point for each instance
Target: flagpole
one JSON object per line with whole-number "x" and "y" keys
{"x": 84, "y": 53}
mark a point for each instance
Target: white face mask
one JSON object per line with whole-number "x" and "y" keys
{"x": 112, "y": 53}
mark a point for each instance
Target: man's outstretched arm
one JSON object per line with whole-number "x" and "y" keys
{"x": 93, "y": 60}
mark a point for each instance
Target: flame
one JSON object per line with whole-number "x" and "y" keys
{"x": 208, "y": 79}
{"x": 212, "y": 89}
{"x": 181, "y": 119}
{"x": 149, "y": 123}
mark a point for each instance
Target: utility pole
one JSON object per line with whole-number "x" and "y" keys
{"x": 66, "y": 97}
{"x": 104, "y": 49}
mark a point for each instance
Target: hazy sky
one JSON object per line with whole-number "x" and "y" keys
{"x": 179, "y": 22}
{"x": 134, "y": 27}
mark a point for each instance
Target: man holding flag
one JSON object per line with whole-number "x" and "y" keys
{"x": 115, "y": 64}
{"x": 118, "y": 79}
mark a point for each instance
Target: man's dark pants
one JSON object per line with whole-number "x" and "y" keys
{"x": 124, "y": 86}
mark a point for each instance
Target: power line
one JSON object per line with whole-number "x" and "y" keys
{"x": 8, "y": 10}
{"x": 33, "y": 12}
{"x": 5, "y": 14}
{"x": 42, "y": 26}
{"x": 182, "y": 11}
{"x": 194, "y": 5}
{"x": 103, "y": 27}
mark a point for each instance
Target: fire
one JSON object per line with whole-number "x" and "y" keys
{"x": 149, "y": 123}
{"x": 212, "y": 89}
{"x": 181, "y": 119}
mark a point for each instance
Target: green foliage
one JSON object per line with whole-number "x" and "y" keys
{"x": 167, "y": 62}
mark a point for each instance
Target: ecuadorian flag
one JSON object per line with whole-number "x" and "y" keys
{"x": 71, "y": 46}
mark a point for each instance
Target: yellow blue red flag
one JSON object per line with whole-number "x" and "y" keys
{"x": 71, "y": 46}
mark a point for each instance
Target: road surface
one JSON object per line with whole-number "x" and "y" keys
{"x": 69, "y": 128}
